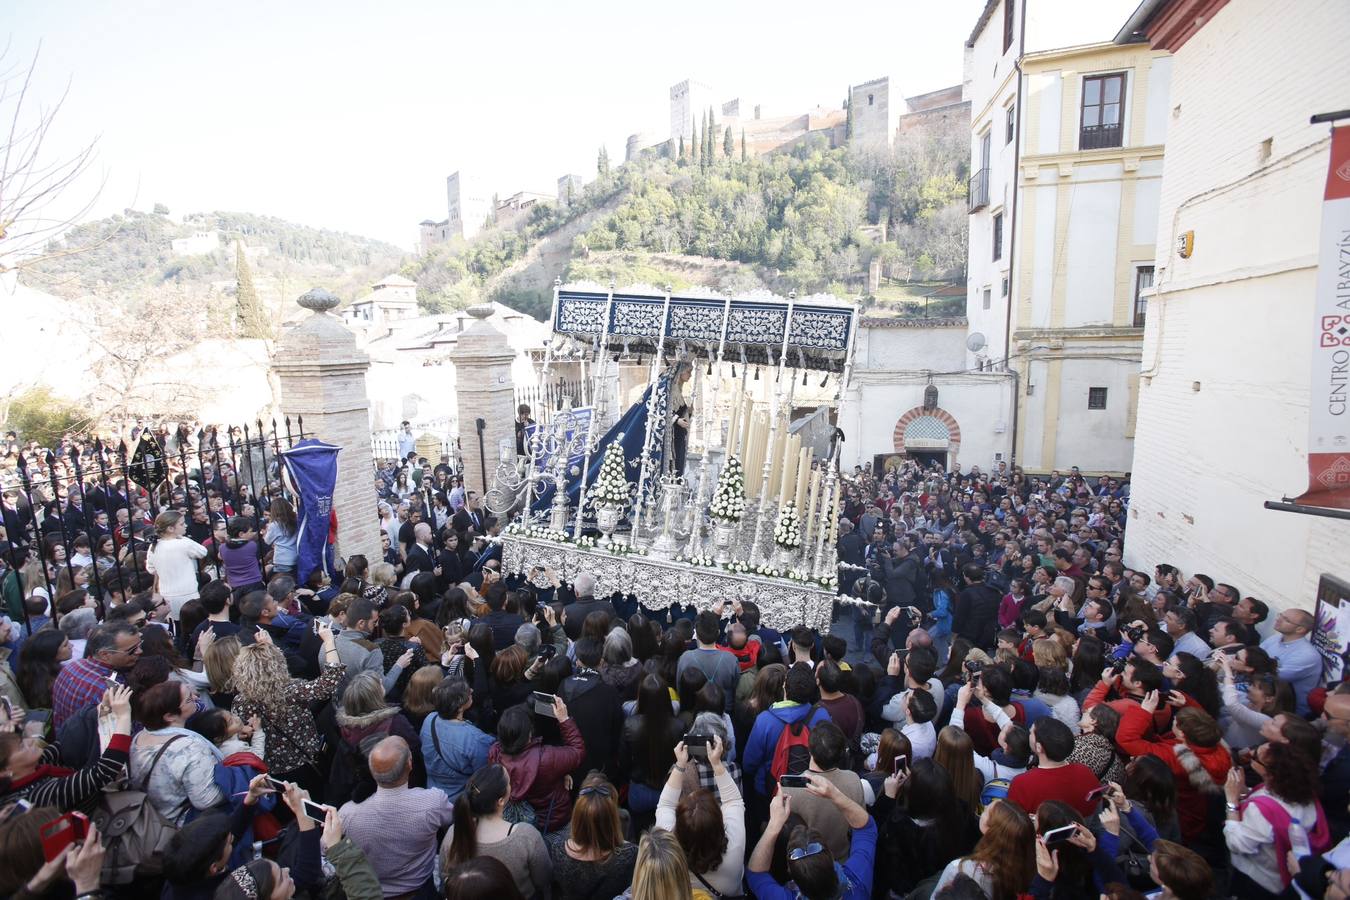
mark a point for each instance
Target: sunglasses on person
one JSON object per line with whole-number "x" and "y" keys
{"x": 810, "y": 849}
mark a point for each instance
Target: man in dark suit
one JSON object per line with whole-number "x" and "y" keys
{"x": 596, "y": 708}
{"x": 575, "y": 613}
{"x": 419, "y": 557}
{"x": 850, "y": 548}
{"x": 502, "y": 623}
{"x": 470, "y": 516}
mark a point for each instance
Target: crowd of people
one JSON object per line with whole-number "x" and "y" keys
{"x": 1002, "y": 709}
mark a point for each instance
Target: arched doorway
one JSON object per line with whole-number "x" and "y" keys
{"x": 928, "y": 436}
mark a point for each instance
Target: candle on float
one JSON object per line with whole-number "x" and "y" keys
{"x": 813, "y": 501}
{"x": 754, "y": 464}
{"x": 833, "y": 509}
{"x": 731, "y": 427}
{"x": 746, "y": 416}
{"x": 788, "y": 474}
{"x": 803, "y": 475}
{"x": 775, "y": 460}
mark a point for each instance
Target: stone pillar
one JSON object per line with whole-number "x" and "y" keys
{"x": 323, "y": 378}
{"x": 484, "y": 391}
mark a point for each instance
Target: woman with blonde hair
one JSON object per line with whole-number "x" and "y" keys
{"x": 267, "y": 690}
{"x": 1049, "y": 653}
{"x": 661, "y": 871}
{"x": 218, "y": 663}
{"x": 173, "y": 561}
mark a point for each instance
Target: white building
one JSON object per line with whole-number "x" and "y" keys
{"x": 198, "y": 243}
{"x": 884, "y": 413}
{"x": 392, "y": 298}
{"x": 411, "y": 376}
{"x": 1052, "y": 261}
{"x": 1225, "y": 391}
{"x": 469, "y": 205}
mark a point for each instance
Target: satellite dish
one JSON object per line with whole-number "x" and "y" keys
{"x": 975, "y": 342}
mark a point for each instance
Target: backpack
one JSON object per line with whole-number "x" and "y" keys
{"x": 792, "y": 754}
{"x": 135, "y": 834}
{"x": 995, "y": 789}
{"x": 1319, "y": 836}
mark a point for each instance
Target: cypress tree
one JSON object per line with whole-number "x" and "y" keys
{"x": 743, "y": 157}
{"x": 253, "y": 321}
{"x": 681, "y": 156}
{"x": 602, "y": 163}
{"x": 848, "y": 114}
{"x": 728, "y": 143}
{"x": 694, "y": 143}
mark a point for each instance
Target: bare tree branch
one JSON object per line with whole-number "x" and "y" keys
{"x": 30, "y": 182}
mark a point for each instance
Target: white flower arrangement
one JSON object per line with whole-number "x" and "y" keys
{"x": 768, "y": 571}
{"x": 611, "y": 486}
{"x": 829, "y": 581}
{"x": 538, "y": 532}
{"x": 619, "y": 549}
{"x": 585, "y": 541}
{"x": 737, "y": 567}
{"x": 704, "y": 560}
{"x": 787, "y": 533}
{"x": 728, "y": 501}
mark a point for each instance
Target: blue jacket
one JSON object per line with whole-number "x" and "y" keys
{"x": 855, "y": 873}
{"x": 453, "y": 750}
{"x": 764, "y": 739}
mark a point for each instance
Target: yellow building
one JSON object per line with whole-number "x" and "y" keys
{"x": 1082, "y": 239}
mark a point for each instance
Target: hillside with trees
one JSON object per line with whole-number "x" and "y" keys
{"x": 808, "y": 220}
{"x": 130, "y": 254}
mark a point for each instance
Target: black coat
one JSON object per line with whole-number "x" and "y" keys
{"x": 574, "y": 614}
{"x": 596, "y": 708}
{"x": 902, "y": 580}
{"x": 976, "y": 615}
{"x": 418, "y": 560}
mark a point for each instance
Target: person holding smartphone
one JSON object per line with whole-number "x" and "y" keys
{"x": 30, "y": 770}
{"x": 815, "y": 871}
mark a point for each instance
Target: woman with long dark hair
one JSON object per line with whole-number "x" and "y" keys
{"x": 647, "y": 750}
{"x": 1089, "y": 659}
{"x": 481, "y": 830}
{"x": 768, "y": 691}
{"x": 39, "y": 665}
{"x": 540, "y": 774}
{"x": 280, "y": 536}
{"x": 923, "y": 824}
{"x": 1261, "y": 828}
{"x": 1081, "y": 865}
{"x": 1196, "y": 680}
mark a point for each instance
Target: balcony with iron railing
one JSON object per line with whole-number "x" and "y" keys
{"x": 1099, "y": 137}
{"x": 978, "y": 190}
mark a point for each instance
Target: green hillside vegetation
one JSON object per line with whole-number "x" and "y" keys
{"x": 129, "y": 255}
{"x": 808, "y": 220}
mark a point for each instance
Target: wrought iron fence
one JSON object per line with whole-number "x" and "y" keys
{"x": 387, "y": 443}
{"x": 545, "y": 399}
{"x": 240, "y": 463}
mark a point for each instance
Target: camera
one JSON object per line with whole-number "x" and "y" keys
{"x": 1118, "y": 667}
{"x": 973, "y": 669}
{"x": 1134, "y": 634}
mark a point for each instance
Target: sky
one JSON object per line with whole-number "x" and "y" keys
{"x": 349, "y": 115}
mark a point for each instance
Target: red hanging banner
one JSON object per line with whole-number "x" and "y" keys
{"x": 1329, "y": 413}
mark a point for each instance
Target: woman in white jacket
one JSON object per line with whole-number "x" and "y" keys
{"x": 712, "y": 835}
{"x": 173, "y": 561}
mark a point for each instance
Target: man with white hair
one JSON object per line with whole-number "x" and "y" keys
{"x": 575, "y": 613}
{"x": 403, "y": 866}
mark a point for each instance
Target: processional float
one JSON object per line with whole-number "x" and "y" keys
{"x": 754, "y": 516}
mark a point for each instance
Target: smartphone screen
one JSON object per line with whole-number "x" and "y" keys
{"x": 1059, "y": 835}
{"x": 793, "y": 781}
{"x": 543, "y": 704}
{"x": 901, "y": 764}
{"x": 316, "y": 811}
{"x": 1097, "y": 793}
{"x": 277, "y": 786}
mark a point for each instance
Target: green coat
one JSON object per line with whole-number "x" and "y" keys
{"x": 354, "y": 871}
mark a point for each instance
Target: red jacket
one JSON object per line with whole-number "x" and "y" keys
{"x": 1162, "y": 718}
{"x": 1199, "y": 771}
{"x": 537, "y": 774}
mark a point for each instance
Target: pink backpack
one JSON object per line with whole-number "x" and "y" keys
{"x": 1319, "y": 836}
